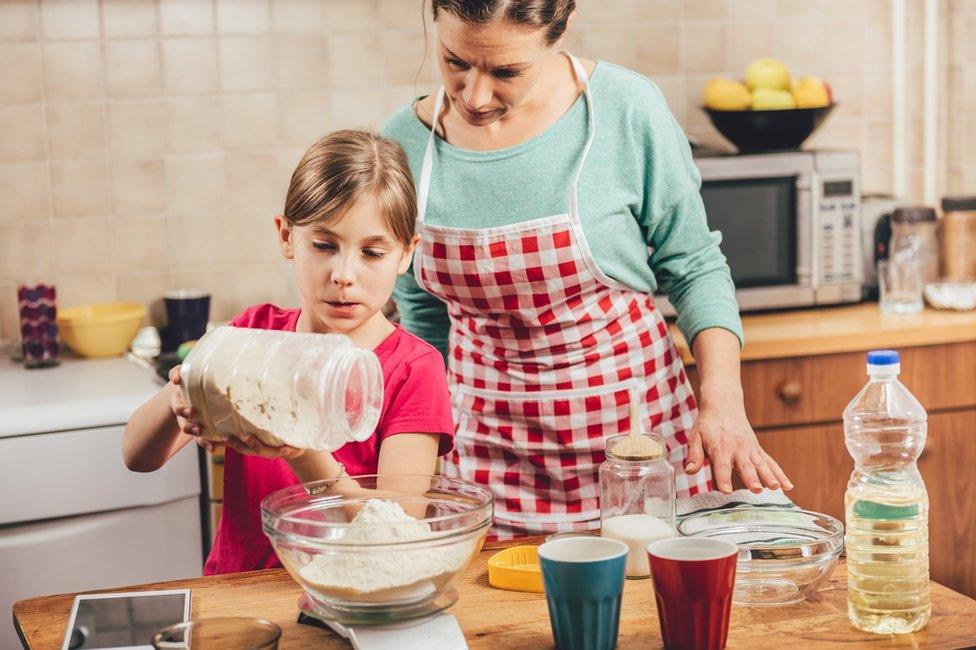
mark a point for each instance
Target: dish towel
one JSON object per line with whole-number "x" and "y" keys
{"x": 709, "y": 501}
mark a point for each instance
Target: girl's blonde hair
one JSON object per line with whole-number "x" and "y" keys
{"x": 344, "y": 166}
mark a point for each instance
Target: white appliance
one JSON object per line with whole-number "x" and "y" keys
{"x": 73, "y": 517}
{"x": 790, "y": 224}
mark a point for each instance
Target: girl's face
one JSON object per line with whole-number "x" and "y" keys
{"x": 489, "y": 68}
{"x": 346, "y": 270}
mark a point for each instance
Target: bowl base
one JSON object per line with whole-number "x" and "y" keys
{"x": 375, "y": 615}
{"x": 770, "y": 592}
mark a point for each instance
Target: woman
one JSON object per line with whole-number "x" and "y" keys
{"x": 555, "y": 196}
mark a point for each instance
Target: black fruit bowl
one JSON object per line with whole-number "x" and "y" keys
{"x": 752, "y": 131}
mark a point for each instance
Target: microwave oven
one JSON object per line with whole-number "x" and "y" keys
{"x": 790, "y": 225}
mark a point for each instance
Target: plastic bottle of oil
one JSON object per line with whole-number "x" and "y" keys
{"x": 886, "y": 504}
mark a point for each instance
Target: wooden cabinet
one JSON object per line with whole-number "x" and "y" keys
{"x": 796, "y": 406}
{"x": 815, "y": 389}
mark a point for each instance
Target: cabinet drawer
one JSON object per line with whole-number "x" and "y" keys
{"x": 75, "y": 472}
{"x": 807, "y": 390}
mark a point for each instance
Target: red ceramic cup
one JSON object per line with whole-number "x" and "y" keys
{"x": 693, "y": 579}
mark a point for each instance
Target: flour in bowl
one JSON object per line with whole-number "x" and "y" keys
{"x": 359, "y": 570}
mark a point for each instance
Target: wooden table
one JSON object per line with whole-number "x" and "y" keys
{"x": 497, "y": 619}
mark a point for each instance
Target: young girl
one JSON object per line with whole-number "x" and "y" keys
{"x": 348, "y": 226}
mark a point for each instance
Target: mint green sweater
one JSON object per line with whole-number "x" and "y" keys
{"x": 639, "y": 200}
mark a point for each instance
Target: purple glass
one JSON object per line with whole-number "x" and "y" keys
{"x": 38, "y": 329}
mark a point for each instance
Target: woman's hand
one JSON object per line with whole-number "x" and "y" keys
{"x": 726, "y": 436}
{"x": 722, "y": 430}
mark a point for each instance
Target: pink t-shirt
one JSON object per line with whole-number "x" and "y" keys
{"x": 415, "y": 400}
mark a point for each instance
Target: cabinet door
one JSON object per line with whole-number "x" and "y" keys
{"x": 817, "y": 462}
{"x": 947, "y": 467}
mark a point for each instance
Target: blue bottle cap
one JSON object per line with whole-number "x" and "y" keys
{"x": 883, "y": 357}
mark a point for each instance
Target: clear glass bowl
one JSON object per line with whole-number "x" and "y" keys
{"x": 785, "y": 554}
{"x": 959, "y": 295}
{"x": 360, "y": 573}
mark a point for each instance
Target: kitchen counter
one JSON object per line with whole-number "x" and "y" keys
{"x": 851, "y": 328}
{"x": 78, "y": 394}
{"x": 496, "y": 619}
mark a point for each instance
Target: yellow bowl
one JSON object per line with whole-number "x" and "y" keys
{"x": 102, "y": 330}
{"x": 516, "y": 569}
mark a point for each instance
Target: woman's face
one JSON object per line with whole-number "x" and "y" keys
{"x": 489, "y": 68}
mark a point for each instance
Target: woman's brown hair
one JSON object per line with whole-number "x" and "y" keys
{"x": 344, "y": 166}
{"x": 553, "y": 15}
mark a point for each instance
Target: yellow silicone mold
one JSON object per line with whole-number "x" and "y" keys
{"x": 516, "y": 569}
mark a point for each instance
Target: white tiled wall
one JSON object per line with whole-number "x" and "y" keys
{"x": 146, "y": 144}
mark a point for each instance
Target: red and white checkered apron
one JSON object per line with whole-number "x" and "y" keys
{"x": 545, "y": 353}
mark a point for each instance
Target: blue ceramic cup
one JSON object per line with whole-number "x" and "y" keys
{"x": 584, "y": 581}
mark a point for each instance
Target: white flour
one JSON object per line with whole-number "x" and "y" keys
{"x": 637, "y": 531}
{"x": 364, "y": 572}
{"x": 247, "y": 389}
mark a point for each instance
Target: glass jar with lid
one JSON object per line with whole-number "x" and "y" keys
{"x": 637, "y": 499}
{"x": 915, "y": 239}
{"x": 959, "y": 237}
{"x": 310, "y": 391}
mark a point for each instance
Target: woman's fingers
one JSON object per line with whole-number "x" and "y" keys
{"x": 764, "y": 471}
{"x": 778, "y": 472}
{"x": 747, "y": 470}
{"x": 721, "y": 460}
{"x": 696, "y": 453}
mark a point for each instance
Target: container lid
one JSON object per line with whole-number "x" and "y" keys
{"x": 913, "y": 214}
{"x": 884, "y": 362}
{"x": 643, "y": 448}
{"x": 958, "y": 203}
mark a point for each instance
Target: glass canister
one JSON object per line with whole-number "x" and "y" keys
{"x": 637, "y": 501}
{"x": 959, "y": 237}
{"x": 915, "y": 238}
{"x": 311, "y": 391}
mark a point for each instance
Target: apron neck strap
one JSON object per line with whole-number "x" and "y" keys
{"x": 428, "y": 165}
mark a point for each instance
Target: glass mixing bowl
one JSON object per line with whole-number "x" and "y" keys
{"x": 785, "y": 554}
{"x": 381, "y": 567}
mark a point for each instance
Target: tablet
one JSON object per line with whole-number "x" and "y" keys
{"x": 124, "y": 620}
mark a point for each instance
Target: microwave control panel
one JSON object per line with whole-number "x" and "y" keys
{"x": 839, "y": 207}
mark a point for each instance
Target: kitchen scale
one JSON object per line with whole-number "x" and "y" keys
{"x": 427, "y": 627}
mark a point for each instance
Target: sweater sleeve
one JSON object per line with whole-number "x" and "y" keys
{"x": 684, "y": 255}
{"x": 421, "y": 313}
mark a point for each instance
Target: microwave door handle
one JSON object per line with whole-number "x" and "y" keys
{"x": 806, "y": 256}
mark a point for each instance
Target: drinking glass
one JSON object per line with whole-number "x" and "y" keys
{"x": 584, "y": 582}
{"x": 239, "y": 632}
{"x": 900, "y": 285}
{"x": 693, "y": 580}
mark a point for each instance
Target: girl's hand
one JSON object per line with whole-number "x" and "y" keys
{"x": 184, "y": 414}
{"x": 251, "y": 446}
{"x": 725, "y": 435}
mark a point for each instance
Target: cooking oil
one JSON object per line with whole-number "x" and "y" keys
{"x": 886, "y": 505}
{"x": 887, "y": 559}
